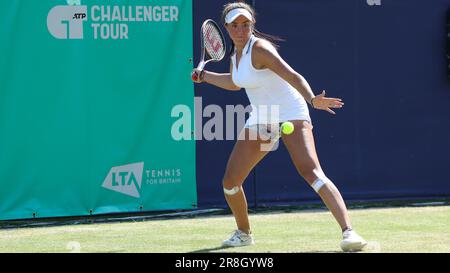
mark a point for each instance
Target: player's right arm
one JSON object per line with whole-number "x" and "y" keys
{"x": 222, "y": 80}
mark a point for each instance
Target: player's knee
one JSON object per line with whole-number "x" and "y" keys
{"x": 320, "y": 182}
{"x": 230, "y": 183}
{"x": 231, "y": 191}
{"x": 315, "y": 177}
{"x": 308, "y": 174}
{"x": 230, "y": 187}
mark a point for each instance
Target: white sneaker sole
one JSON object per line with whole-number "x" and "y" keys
{"x": 353, "y": 246}
{"x": 239, "y": 245}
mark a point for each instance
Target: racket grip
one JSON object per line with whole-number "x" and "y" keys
{"x": 200, "y": 67}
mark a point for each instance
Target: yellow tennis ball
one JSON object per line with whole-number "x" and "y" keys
{"x": 287, "y": 128}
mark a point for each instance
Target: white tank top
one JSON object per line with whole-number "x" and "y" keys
{"x": 266, "y": 91}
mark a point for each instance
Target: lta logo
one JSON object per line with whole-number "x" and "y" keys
{"x": 126, "y": 179}
{"x": 66, "y": 22}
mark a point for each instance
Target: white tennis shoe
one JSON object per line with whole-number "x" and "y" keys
{"x": 352, "y": 241}
{"x": 239, "y": 238}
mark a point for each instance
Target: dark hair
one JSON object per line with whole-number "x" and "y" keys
{"x": 231, "y": 6}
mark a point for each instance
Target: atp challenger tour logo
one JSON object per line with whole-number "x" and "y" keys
{"x": 106, "y": 22}
{"x": 128, "y": 179}
{"x": 66, "y": 22}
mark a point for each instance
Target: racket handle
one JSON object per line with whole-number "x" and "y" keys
{"x": 200, "y": 67}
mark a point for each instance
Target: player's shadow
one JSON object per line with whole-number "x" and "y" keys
{"x": 209, "y": 249}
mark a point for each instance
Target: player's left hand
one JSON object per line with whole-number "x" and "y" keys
{"x": 323, "y": 103}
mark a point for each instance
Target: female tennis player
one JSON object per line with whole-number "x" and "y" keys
{"x": 269, "y": 80}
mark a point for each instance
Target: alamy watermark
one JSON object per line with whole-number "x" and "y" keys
{"x": 374, "y": 2}
{"x": 227, "y": 124}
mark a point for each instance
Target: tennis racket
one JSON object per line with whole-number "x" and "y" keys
{"x": 213, "y": 45}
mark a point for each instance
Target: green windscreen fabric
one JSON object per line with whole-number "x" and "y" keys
{"x": 87, "y": 90}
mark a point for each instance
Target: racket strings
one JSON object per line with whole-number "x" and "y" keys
{"x": 213, "y": 42}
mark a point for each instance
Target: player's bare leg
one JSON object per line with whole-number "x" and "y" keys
{"x": 301, "y": 147}
{"x": 245, "y": 155}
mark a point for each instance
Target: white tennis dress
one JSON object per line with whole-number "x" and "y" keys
{"x": 267, "y": 91}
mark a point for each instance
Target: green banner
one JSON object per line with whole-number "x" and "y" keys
{"x": 86, "y": 93}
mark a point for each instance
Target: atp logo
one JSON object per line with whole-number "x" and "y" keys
{"x": 126, "y": 179}
{"x": 66, "y": 22}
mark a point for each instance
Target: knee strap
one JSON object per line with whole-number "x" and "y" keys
{"x": 319, "y": 183}
{"x": 233, "y": 191}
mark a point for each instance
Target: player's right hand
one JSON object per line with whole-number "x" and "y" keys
{"x": 195, "y": 75}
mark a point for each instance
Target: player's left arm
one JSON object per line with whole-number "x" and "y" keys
{"x": 266, "y": 56}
